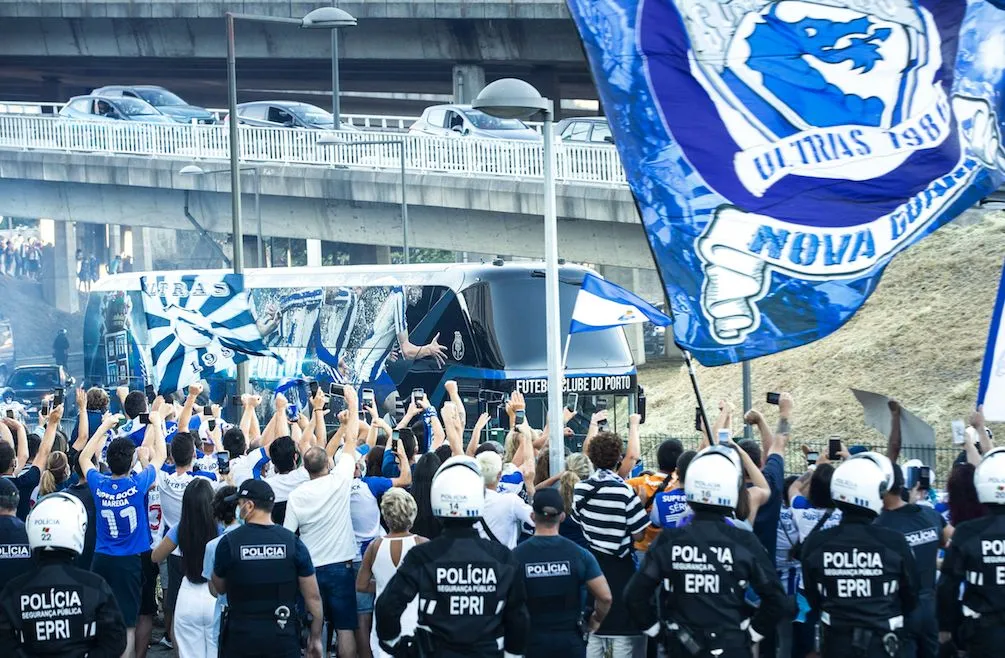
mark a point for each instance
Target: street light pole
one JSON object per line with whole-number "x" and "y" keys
{"x": 514, "y": 99}
{"x": 330, "y": 18}
{"x": 556, "y": 452}
{"x": 404, "y": 205}
{"x": 336, "y": 109}
{"x": 235, "y": 178}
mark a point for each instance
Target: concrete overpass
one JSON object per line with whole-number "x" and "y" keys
{"x": 58, "y": 48}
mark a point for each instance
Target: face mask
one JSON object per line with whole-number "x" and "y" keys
{"x": 240, "y": 517}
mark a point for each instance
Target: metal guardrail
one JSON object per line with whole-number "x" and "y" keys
{"x": 462, "y": 156}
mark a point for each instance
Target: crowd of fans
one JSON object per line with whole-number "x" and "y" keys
{"x": 359, "y": 499}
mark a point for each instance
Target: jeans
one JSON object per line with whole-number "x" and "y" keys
{"x": 618, "y": 646}
{"x": 337, "y": 584}
{"x": 920, "y": 638}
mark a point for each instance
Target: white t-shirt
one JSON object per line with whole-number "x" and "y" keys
{"x": 504, "y": 514}
{"x": 284, "y": 483}
{"x": 172, "y": 488}
{"x": 319, "y": 509}
{"x": 249, "y": 466}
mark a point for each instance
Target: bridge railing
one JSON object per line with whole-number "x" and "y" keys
{"x": 463, "y": 156}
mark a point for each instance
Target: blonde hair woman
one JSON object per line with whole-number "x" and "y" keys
{"x": 384, "y": 555}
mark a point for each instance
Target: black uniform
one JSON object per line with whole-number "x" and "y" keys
{"x": 700, "y": 601}
{"x": 976, "y": 557}
{"x": 922, "y": 527}
{"x": 471, "y": 597}
{"x": 862, "y": 580}
{"x": 555, "y": 572}
{"x": 60, "y": 610}
{"x": 262, "y": 566}
{"x": 15, "y": 554}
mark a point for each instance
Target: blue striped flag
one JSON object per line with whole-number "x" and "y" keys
{"x": 991, "y": 392}
{"x": 198, "y": 325}
{"x": 601, "y": 304}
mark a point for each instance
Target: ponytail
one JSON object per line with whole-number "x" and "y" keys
{"x": 55, "y": 473}
{"x": 566, "y": 485}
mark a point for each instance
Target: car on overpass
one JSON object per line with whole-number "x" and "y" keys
{"x": 584, "y": 130}
{"x": 288, "y": 114}
{"x": 106, "y": 108}
{"x": 168, "y": 103}
{"x": 453, "y": 120}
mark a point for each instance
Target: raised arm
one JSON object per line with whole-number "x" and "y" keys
{"x": 153, "y": 440}
{"x": 249, "y": 417}
{"x": 634, "y": 449}
{"x": 977, "y": 421}
{"x": 216, "y": 434}
{"x": 83, "y": 431}
{"x": 339, "y": 437}
{"x": 893, "y": 445}
{"x": 352, "y": 421}
{"x": 453, "y": 427}
{"x": 756, "y": 418}
{"x": 319, "y": 402}
{"x": 451, "y": 388}
{"x": 405, "y": 478}
{"x": 476, "y": 433}
{"x": 45, "y": 447}
{"x": 785, "y": 406}
{"x": 96, "y": 442}
{"x": 186, "y": 411}
{"x": 20, "y": 440}
{"x": 759, "y": 490}
{"x": 594, "y": 429}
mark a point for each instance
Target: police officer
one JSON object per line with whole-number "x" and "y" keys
{"x": 705, "y": 568}
{"x": 556, "y": 572}
{"x": 471, "y": 596}
{"x": 261, "y": 567}
{"x": 976, "y": 558}
{"x": 58, "y": 609}
{"x": 860, "y": 577}
{"x": 15, "y": 554}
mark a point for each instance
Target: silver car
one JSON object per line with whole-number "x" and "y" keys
{"x": 453, "y": 120}
{"x": 106, "y": 108}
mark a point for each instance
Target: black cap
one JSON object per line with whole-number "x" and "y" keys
{"x": 256, "y": 491}
{"x": 8, "y": 490}
{"x": 548, "y": 502}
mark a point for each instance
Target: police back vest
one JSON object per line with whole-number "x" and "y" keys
{"x": 976, "y": 558}
{"x": 263, "y": 572}
{"x": 553, "y": 591}
{"x": 859, "y": 575}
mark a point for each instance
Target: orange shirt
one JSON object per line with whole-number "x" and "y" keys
{"x": 647, "y": 486}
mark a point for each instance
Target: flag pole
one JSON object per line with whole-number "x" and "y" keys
{"x": 697, "y": 391}
{"x": 565, "y": 352}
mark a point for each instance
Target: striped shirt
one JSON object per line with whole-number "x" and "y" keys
{"x": 609, "y": 512}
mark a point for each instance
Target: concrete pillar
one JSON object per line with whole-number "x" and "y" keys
{"x": 468, "y": 81}
{"x": 313, "y": 252}
{"x": 62, "y": 287}
{"x": 383, "y": 254}
{"x": 114, "y": 241}
{"x": 143, "y": 260}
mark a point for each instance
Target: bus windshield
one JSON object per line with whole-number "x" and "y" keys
{"x": 510, "y": 314}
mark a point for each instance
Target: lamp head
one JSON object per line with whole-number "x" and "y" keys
{"x": 328, "y": 18}
{"x": 510, "y": 98}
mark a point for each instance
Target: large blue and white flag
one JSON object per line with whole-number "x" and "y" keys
{"x": 601, "y": 305}
{"x": 991, "y": 392}
{"x": 198, "y": 325}
{"x": 781, "y": 152}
